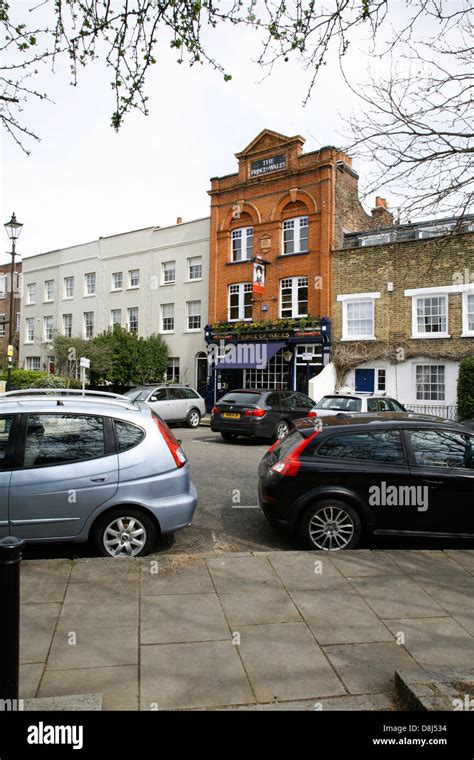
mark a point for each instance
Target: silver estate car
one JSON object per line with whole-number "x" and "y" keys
{"x": 173, "y": 402}
{"x": 93, "y": 467}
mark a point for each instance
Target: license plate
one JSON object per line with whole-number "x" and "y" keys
{"x": 231, "y": 416}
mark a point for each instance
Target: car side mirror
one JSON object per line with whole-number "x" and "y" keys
{"x": 152, "y": 398}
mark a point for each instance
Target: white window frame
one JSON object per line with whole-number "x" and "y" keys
{"x": 414, "y": 316}
{"x": 68, "y": 284}
{"x": 466, "y": 332}
{"x": 430, "y": 366}
{"x": 115, "y": 322}
{"x": 2, "y": 325}
{"x": 173, "y": 365}
{"x": 295, "y": 285}
{"x": 346, "y": 298}
{"x": 46, "y": 284}
{"x": 90, "y": 278}
{"x": 296, "y": 223}
{"x": 29, "y": 362}
{"x": 133, "y": 274}
{"x": 163, "y": 317}
{"x": 48, "y": 327}
{"x": 17, "y": 321}
{"x": 30, "y": 334}
{"x": 240, "y": 289}
{"x": 191, "y": 265}
{"x": 3, "y": 286}
{"x": 193, "y": 316}
{"x": 29, "y": 301}
{"x": 67, "y": 334}
{"x": 135, "y": 311}
{"x": 243, "y": 234}
{"x": 87, "y": 314}
{"x": 164, "y": 272}
{"x": 119, "y": 287}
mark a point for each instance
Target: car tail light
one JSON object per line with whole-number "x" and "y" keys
{"x": 216, "y": 409}
{"x": 176, "y": 451}
{"x": 255, "y": 413}
{"x": 289, "y": 466}
{"x": 312, "y": 414}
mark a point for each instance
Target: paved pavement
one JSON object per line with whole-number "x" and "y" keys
{"x": 249, "y": 630}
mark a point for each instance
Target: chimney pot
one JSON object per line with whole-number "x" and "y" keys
{"x": 179, "y": 220}
{"x": 380, "y": 202}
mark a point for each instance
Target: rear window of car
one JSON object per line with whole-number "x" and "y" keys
{"x": 241, "y": 398}
{"x": 340, "y": 403}
{"x": 128, "y": 435}
{"x": 380, "y": 446}
{"x": 189, "y": 393}
{"x": 288, "y": 443}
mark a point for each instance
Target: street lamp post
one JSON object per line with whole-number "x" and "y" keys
{"x": 13, "y": 229}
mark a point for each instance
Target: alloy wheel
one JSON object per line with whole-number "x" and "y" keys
{"x": 282, "y": 430}
{"x": 194, "y": 419}
{"x": 124, "y": 537}
{"x": 331, "y": 529}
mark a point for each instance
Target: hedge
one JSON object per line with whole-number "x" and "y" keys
{"x": 466, "y": 389}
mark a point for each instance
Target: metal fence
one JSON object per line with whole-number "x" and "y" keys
{"x": 449, "y": 411}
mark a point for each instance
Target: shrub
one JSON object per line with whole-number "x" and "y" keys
{"x": 25, "y": 378}
{"x": 466, "y": 389}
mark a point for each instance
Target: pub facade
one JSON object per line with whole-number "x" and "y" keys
{"x": 274, "y": 224}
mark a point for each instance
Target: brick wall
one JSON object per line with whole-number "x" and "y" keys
{"x": 5, "y": 309}
{"x": 408, "y": 264}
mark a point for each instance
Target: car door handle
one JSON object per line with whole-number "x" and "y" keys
{"x": 433, "y": 482}
{"x": 102, "y": 479}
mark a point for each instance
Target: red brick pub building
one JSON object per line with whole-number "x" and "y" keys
{"x": 283, "y": 210}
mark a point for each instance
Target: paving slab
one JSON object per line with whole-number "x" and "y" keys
{"x": 366, "y": 668}
{"x": 117, "y": 685}
{"x": 456, "y": 599}
{"x": 37, "y": 624}
{"x": 396, "y": 596}
{"x": 30, "y": 677}
{"x": 103, "y": 590}
{"x": 345, "y": 703}
{"x": 338, "y": 616}
{"x": 121, "y": 613}
{"x": 264, "y": 605}
{"x": 94, "y": 648}
{"x": 241, "y": 574}
{"x": 364, "y": 562}
{"x": 463, "y": 557}
{"x": 168, "y": 578}
{"x": 435, "y": 642}
{"x": 427, "y": 563}
{"x": 181, "y": 618}
{"x": 45, "y": 581}
{"x": 105, "y": 569}
{"x": 284, "y": 662}
{"x": 311, "y": 570}
{"x": 183, "y": 676}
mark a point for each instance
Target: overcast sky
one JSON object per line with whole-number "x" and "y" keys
{"x": 83, "y": 180}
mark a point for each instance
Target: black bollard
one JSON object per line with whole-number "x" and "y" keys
{"x": 10, "y": 557}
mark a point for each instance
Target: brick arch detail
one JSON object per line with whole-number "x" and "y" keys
{"x": 252, "y": 210}
{"x": 291, "y": 197}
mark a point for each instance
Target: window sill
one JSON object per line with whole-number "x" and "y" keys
{"x": 194, "y": 279}
{"x": 50, "y": 301}
{"x": 68, "y": 298}
{"x": 194, "y": 330}
{"x": 32, "y": 303}
{"x": 430, "y": 336}
{"x": 133, "y": 287}
{"x": 467, "y": 334}
{"x": 165, "y": 284}
{"x": 358, "y": 337}
{"x": 242, "y": 261}
{"x": 89, "y": 295}
{"x": 116, "y": 290}
{"x": 290, "y": 255}
{"x": 167, "y": 332}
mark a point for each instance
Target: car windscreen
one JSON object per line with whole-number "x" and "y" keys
{"x": 340, "y": 403}
{"x": 138, "y": 394}
{"x": 240, "y": 398}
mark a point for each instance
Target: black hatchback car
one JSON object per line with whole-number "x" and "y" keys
{"x": 400, "y": 474}
{"x": 259, "y": 413}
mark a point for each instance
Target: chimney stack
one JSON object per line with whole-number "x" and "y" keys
{"x": 381, "y": 211}
{"x": 179, "y": 220}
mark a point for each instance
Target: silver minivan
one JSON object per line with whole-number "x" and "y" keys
{"x": 173, "y": 402}
{"x": 96, "y": 467}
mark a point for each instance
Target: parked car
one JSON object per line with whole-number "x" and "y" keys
{"x": 174, "y": 403}
{"x": 356, "y": 403}
{"x": 380, "y": 474}
{"x": 97, "y": 466}
{"x": 259, "y": 413}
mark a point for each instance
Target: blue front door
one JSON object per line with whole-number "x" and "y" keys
{"x": 364, "y": 380}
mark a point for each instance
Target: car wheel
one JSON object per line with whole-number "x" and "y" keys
{"x": 281, "y": 430}
{"x": 229, "y": 436}
{"x": 330, "y": 525}
{"x": 193, "y": 419}
{"x": 124, "y": 533}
